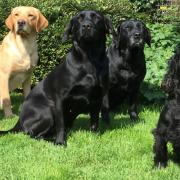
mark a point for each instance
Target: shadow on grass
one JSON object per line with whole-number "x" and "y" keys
{"x": 119, "y": 118}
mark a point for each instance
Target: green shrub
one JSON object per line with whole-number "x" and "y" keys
{"x": 159, "y": 10}
{"x": 58, "y": 12}
{"x": 144, "y": 5}
{"x": 164, "y": 40}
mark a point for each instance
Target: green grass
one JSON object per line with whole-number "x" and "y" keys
{"x": 123, "y": 151}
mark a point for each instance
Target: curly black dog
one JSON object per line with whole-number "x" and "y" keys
{"x": 127, "y": 64}
{"x": 168, "y": 126}
{"x": 78, "y": 85}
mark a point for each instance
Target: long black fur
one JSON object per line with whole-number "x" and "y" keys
{"x": 78, "y": 85}
{"x": 168, "y": 126}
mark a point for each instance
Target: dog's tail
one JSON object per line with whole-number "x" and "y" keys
{"x": 15, "y": 129}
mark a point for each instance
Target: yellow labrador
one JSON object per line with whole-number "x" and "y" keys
{"x": 18, "y": 52}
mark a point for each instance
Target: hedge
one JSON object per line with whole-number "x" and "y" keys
{"x": 58, "y": 12}
{"x": 165, "y": 38}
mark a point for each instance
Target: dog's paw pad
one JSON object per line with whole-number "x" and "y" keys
{"x": 161, "y": 165}
{"x": 64, "y": 144}
{"x": 133, "y": 116}
{"x": 9, "y": 115}
{"x": 93, "y": 128}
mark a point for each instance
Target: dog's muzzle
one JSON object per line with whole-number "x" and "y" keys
{"x": 137, "y": 40}
{"x": 21, "y": 24}
{"x": 137, "y": 36}
{"x": 87, "y": 29}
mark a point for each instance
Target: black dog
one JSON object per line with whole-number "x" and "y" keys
{"x": 168, "y": 127}
{"x": 76, "y": 86}
{"x": 127, "y": 64}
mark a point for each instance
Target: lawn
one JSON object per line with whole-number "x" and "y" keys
{"x": 123, "y": 151}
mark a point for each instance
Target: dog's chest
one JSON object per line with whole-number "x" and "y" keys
{"x": 86, "y": 89}
{"x": 169, "y": 122}
{"x": 24, "y": 57}
{"x": 84, "y": 84}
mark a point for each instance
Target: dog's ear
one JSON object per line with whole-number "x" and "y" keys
{"x": 177, "y": 117}
{"x": 167, "y": 84}
{"x": 168, "y": 81}
{"x": 9, "y": 22}
{"x": 108, "y": 26}
{"x": 41, "y": 23}
{"x": 119, "y": 26}
{"x": 117, "y": 37}
{"x": 68, "y": 31}
{"x": 147, "y": 36}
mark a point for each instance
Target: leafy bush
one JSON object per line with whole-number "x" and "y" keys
{"x": 148, "y": 7}
{"x": 144, "y": 5}
{"x": 164, "y": 40}
{"x": 58, "y": 12}
{"x": 159, "y": 10}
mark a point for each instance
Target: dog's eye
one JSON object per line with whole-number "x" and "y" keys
{"x": 30, "y": 15}
{"x": 94, "y": 16}
{"x": 128, "y": 27}
{"x": 80, "y": 17}
{"x": 16, "y": 14}
{"x": 138, "y": 26}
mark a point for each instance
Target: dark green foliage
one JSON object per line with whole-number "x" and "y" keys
{"x": 159, "y": 10}
{"x": 146, "y": 5}
{"x": 59, "y": 12}
{"x": 164, "y": 40}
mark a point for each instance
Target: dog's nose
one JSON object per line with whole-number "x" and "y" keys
{"x": 21, "y": 22}
{"x": 87, "y": 25}
{"x": 137, "y": 35}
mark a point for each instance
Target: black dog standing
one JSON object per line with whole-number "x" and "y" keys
{"x": 168, "y": 127}
{"x": 127, "y": 64}
{"x": 76, "y": 86}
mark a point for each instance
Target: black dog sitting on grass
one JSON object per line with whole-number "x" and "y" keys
{"x": 76, "y": 86}
{"x": 127, "y": 67}
{"x": 168, "y": 127}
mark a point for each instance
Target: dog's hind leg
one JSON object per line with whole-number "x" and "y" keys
{"x": 160, "y": 151}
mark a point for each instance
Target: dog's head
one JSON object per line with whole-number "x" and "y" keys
{"x": 87, "y": 26}
{"x": 133, "y": 34}
{"x": 25, "y": 20}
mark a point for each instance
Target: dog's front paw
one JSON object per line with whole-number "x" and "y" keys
{"x": 60, "y": 142}
{"x": 160, "y": 165}
{"x": 133, "y": 116}
{"x": 8, "y": 114}
{"x": 94, "y": 127}
{"x": 106, "y": 118}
